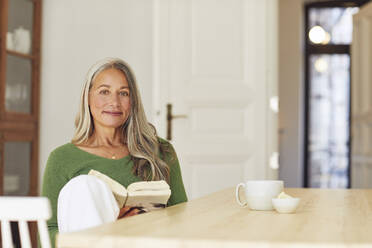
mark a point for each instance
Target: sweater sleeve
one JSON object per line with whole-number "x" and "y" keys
{"x": 53, "y": 181}
{"x": 178, "y": 193}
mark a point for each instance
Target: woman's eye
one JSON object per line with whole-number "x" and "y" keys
{"x": 124, "y": 93}
{"x": 104, "y": 92}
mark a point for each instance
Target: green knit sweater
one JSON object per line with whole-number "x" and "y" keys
{"x": 68, "y": 161}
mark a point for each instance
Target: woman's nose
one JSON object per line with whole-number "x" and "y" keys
{"x": 115, "y": 100}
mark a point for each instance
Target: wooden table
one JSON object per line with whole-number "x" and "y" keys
{"x": 324, "y": 218}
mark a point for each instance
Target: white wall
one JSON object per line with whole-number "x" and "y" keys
{"x": 75, "y": 34}
{"x": 291, "y": 90}
{"x": 361, "y": 122}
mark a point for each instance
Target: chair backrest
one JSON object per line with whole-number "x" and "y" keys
{"x": 23, "y": 209}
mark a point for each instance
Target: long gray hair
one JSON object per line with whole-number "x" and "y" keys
{"x": 136, "y": 132}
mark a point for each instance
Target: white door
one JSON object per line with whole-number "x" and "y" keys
{"x": 215, "y": 62}
{"x": 361, "y": 139}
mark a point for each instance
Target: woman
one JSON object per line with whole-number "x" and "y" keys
{"x": 112, "y": 136}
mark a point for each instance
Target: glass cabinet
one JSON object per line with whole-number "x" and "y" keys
{"x": 20, "y": 34}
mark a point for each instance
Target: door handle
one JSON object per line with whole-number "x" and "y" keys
{"x": 170, "y": 117}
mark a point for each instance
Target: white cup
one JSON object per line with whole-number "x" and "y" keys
{"x": 259, "y": 193}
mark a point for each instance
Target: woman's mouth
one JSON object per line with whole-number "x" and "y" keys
{"x": 113, "y": 113}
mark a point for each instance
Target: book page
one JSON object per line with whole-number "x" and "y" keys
{"x": 119, "y": 191}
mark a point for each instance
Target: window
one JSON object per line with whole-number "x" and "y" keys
{"x": 328, "y": 27}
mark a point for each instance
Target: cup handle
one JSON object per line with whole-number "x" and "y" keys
{"x": 237, "y": 194}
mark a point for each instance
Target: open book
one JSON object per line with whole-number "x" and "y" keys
{"x": 148, "y": 194}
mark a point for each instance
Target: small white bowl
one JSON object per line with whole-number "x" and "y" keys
{"x": 286, "y": 205}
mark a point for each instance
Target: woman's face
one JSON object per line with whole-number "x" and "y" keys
{"x": 109, "y": 99}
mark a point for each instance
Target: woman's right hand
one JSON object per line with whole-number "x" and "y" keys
{"x": 130, "y": 211}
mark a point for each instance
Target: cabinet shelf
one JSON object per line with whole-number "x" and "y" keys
{"x": 18, "y": 54}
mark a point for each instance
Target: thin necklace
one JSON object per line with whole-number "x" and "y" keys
{"x": 113, "y": 155}
{"x": 108, "y": 150}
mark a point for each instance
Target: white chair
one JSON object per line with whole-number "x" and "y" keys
{"x": 23, "y": 209}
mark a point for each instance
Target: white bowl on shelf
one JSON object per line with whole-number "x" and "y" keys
{"x": 286, "y": 205}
